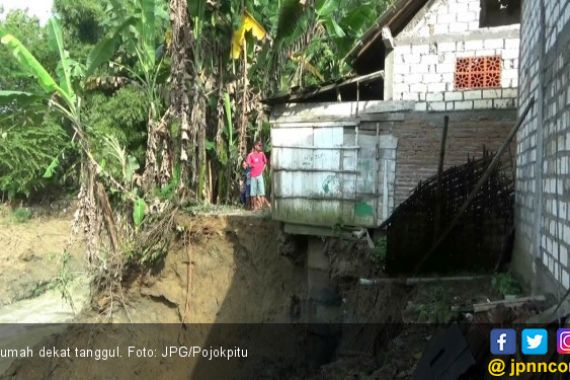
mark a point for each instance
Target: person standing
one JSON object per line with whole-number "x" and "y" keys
{"x": 257, "y": 162}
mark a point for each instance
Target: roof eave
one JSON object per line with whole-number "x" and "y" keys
{"x": 388, "y": 18}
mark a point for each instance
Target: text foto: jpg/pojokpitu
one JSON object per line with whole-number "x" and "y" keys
{"x": 53, "y": 352}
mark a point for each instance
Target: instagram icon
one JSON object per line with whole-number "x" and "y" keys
{"x": 563, "y": 341}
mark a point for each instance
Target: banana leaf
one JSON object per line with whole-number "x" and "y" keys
{"x": 147, "y": 30}
{"x": 7, "y": 97}
{"x": 230, "y": 126}
{"x": 325, "y": 8}
{"x": 104, "y": 50}
{"x": 56, "y": 37}
{"x": 30, "y": 64}
{"x": 139, "y": 208}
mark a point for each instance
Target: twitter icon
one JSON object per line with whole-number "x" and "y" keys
{"x": 534, "y": 341}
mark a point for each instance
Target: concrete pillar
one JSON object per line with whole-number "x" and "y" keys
{"x": 324, "y": 303}
{"x": 389, "y": 75}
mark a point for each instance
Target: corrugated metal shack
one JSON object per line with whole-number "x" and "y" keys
{"x": 331, "y": 163}
{"x": 347, "y": 152}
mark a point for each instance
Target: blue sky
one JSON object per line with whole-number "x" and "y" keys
{"x": 38, "y": 8}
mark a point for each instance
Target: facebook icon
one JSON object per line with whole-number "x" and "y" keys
{"x": 503, "y": 342}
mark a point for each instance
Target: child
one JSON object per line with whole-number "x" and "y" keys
{"x": 245, "y": 184}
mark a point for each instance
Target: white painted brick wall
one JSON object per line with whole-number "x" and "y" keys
{"x": 474, "y": 45}
{"x": 486, "y": 53}
{"x": 446, "y": 16}
{"x": 432, "y": 78}
{"x": 458, "y": 27}
{"x": 444, "y": 68}
{"x": 428, "y": 68}
{"x": 483, "y": 104}
{"x": 491, "y": 94}
{"x": 453, "y": 95}
{"x": 446, "y": 46}
{"x": 495, "y": 43}
{"x": 436, "y": 106}
{"x": 435, "y": 73}
{"x": 472, "y": 94}
{"x": 512, "y": 43}
{"x": 468, "y": 16}
{"x": 464, "y": 105}
{"x": 434, "y": 97}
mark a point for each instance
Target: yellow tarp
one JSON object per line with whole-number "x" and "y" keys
{"x": 248, "y": 23}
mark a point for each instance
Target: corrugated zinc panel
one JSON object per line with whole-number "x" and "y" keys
{"x": 319, "y": 177}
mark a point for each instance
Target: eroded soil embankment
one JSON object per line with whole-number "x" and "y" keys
{"x": 221, "y": 269}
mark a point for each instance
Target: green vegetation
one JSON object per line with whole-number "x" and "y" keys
{"x": 64, "y": 280}
{"x": 506, "y": 284}
{"x": 143, "y": 107}
{"x": 118, "y": 58}
{"x": 40, "y": 288}
{"x": 380, "y": 251}
{"x": 435, "y": 307}
{"x": 21, "y": 215}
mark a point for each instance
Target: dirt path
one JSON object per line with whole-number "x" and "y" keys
{"x": 31, "y": 255}
{"x": 31, "y": 263}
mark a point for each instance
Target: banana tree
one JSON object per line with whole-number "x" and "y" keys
{"x": 247, "y": 23}
{"x": 137, "y": 28}
{"x": 322, "y": 34}
{"x": 63, "y": 95}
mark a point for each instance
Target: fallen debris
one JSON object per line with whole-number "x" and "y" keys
{"x": 481, "y": 307}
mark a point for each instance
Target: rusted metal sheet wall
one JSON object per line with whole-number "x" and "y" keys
{"x": 332, "y": 173}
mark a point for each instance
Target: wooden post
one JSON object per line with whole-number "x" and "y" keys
{"x": 357, "y": 97}
{"x": 439, "y": 194}
{"x": 477, "y": 186}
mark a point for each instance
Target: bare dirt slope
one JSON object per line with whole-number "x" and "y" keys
{"x": 31, "y": 254}
{"x": 228, "y": 269}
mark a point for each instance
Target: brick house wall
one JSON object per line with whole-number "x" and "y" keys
{"x": 419, "y": 141}
{"x": 542, "y": 210}
{"x": 425, "y": 54}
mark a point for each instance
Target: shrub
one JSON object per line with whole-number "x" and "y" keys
{"x": 26, "y": 151}
{"x": 21, "y": 215}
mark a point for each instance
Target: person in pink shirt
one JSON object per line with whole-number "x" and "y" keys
{"x": 257, "y": 162}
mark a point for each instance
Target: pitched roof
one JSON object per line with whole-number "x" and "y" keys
{"x": 396, "y": 17}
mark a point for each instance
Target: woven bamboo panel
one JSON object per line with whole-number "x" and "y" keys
{"x": 479, "y": 241}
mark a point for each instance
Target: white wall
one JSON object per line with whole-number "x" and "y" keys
{"x": 542, "y": 204}
{"x": 427, "y": 49}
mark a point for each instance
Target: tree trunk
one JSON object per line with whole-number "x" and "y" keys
{"x": 150, "y": 174}
{"x": 180, "y": 101}
{"x": 242, "y": 130}
{"x": 158, "y": 155}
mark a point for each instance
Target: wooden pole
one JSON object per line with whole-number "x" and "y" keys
{"x": 442, "y": 148}
{"x": 357, "y": 97}
{"x": 439, "y": 194}
{"x": 478, "y": 185}
{"x": 419, "y": 280}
